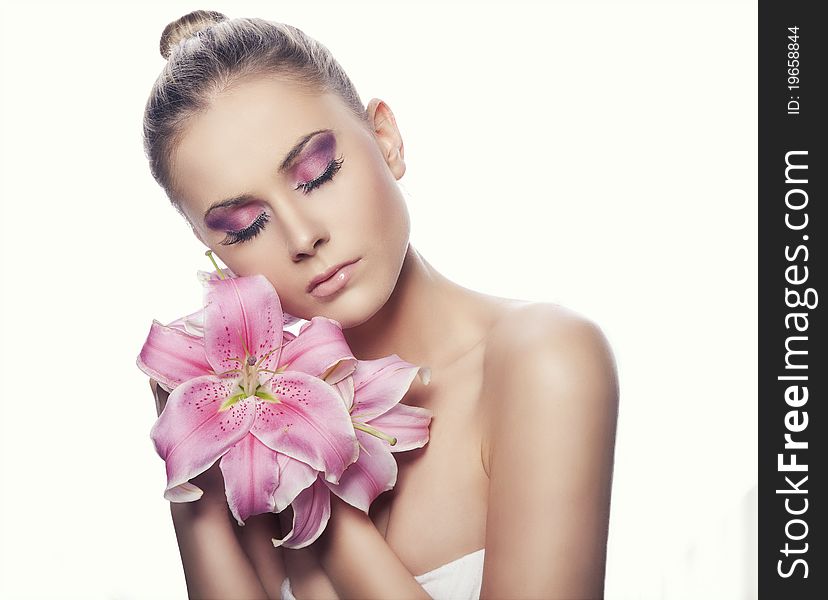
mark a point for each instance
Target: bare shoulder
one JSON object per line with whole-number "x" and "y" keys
{"x": 540, "y": 332}
{"x": 552, "y": 363}
{"x": 550, "y": 399}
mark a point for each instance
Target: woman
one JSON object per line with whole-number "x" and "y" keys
{"x": 262, "y": 143}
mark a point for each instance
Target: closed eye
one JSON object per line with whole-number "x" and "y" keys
{"x": 258, "y": 224}
{"x": 249, "y": 232}
{"x": 332, "y": 168}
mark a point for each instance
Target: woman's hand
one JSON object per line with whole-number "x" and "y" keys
{"x": 216, "y": 563}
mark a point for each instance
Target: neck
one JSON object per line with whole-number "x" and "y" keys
{"x": 427, "y": 321}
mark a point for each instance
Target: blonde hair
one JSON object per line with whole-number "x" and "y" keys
{"x": 207, "y": 54}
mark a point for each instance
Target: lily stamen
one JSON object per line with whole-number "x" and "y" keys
{"x": 263, "y": 358}
{"x": 244, "y": 344}
{"x": 229, "y": 371}
{"x": 376, "y": 433}
{"x": 209, "y": 255}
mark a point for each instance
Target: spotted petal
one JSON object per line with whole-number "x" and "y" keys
{"x": 241, "y": 314}
{"x": 205, "y": 276}
{"x": 309, "y": 423}
{"x": 191, "y": 433}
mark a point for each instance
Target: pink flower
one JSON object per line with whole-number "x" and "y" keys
{"x": 234, "y": 398}
{"x": 285, "y": 414}
{"x": 383, "y": 425}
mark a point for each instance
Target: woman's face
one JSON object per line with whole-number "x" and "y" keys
{"x": 286, "y": 184}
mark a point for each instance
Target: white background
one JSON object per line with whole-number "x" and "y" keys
{"x": 601, "y": 155}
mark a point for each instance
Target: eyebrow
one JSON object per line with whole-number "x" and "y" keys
{"x": 286, "y": 164}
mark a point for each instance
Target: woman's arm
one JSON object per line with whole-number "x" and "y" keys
{"x": 307, "y": 577}
{"x": 255, "y": 538}
{"x": 358, "y": 560}
{"x": 551, "y": 457}
{"x": 552, "y": 392}
{"x": 215, "y": 563}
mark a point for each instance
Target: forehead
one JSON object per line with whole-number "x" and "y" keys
{"x": 238, "y": 143}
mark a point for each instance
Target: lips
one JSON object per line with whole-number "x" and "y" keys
{"x": 327, "y": 274}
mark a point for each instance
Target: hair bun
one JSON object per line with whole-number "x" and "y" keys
{"x": 187, "y": 26}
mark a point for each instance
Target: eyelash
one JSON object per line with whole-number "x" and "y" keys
{"x": 248, "y": 233}
{"x": 333, "y": 167}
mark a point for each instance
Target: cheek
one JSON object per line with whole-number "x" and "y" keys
{"x": 266, "y": 257}
{"x": 386, "y": 214}
{"x": 374, "y": 201}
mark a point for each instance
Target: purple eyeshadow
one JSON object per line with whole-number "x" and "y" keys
{"x": 315, "y": 159}
{"x": 233, "y": 218}
{"x": 310, "y": 165}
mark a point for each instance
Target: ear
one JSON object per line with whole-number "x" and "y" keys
{"x": 387, "y": 135}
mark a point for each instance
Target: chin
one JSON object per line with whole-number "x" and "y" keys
{"x": 358, "y": 303}
{"x": 356, "y": 306}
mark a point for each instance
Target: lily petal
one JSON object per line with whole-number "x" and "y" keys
{"x": 171, "y": 356}
{"x": 311, "y": 512}
{"x": 320, "y": 349}
{"x": 379, "y": 384}
{"x": 288, "y": 319}
{"x": 192, "y": 323}
{"x": 251, "y": 476}
{"x": 374, "y": 472}
{"x": 205, "y": 276}
{"x": 346, "y": 391}
{"x": 409, "y": 424}
{"x": 308, "y": 423}
{"x": 186, "y": 492}
{"x": 191, "y": 434}
{"x": 294, "y": 476}
{"x": 242, "y": 313}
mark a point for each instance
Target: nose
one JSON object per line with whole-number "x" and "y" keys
{"x": 304, "y": 232}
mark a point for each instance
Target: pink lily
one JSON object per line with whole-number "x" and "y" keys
{"x": 260, "y": 479}
{"x": 221, "y": 398}
{"x": 170, "y": 358}
{"x": 383, "y": 425}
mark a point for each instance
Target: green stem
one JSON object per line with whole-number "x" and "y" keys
{"x": 209, "y": 254}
